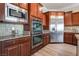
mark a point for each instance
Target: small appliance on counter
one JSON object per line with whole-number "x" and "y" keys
{"x": 36, "y": 32}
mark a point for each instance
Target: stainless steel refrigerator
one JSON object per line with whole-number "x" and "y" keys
{"x": 56, "y": 28}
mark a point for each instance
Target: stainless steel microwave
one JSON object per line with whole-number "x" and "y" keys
{"x": 15, "y": 14}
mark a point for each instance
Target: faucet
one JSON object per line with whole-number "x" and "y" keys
{"x": 13, "y": 31}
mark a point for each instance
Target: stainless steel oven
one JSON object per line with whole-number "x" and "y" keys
{"x": 15, "y": 14}
{"x": 36, "y": 32}
{"x": 37, "y": 40}
{"x": 36, "y": 26}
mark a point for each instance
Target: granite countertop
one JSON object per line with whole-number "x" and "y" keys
{"x": 77, "y": 36}
{"x": 45, "y": 31}
{"x": 2, "y": 38}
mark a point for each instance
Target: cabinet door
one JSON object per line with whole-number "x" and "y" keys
{"x": 23, "y": 5}
{"x": 33, "y": 9}
{"x": 25, "y": 49}
{"x": 44, "y": 19}
{"x": 76, "y": 18}
{"x": 60, "y": 13}
{"x": 39, "y": 11}
{"x": 68, "y": 38}
{"x": 68, "y": 18}
{"x": 2, "y": 11}
{"x": 47, "y": 19}
{"x": 46, "y": 39}
{"x": 74, "y": 40}
{"x": 12, "y": 50}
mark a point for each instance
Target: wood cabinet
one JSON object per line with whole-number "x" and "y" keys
{"x": 23, "y": 5}
{"x": 39, "y": 11}
{"x": 76, "y": 18}
{"x": 55, "y": 13}
{"x": 44, "y": 20}
{"x": 33, "y": 9}
{"x": 16, "y": 47}
{"x": 60, "y": 14}
{"x": 68, "y": 38}
{"x": 74, "y": 40}
{"x": 68, "y": 18}
{"x": 47, "y": 19}
{"x": 12, "y": 50}
{"x": 46, "y": 39}
{"x": 25, "y": 47}
{"x": 2, "y": 9}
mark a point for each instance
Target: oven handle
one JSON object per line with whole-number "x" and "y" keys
{"x": 36, "y": 34}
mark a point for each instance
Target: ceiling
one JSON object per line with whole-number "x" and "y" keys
{"x": 61, "y": 6}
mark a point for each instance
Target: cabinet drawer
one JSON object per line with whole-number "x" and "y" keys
{"x": 11, "y": 42}
{"x": 12, "y": 51}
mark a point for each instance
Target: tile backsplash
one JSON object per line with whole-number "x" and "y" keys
{"x": 71, "y": 29}
{"x": 6, "y": 29}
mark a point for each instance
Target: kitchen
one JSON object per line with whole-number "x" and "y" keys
{"x": 32, "y": 29}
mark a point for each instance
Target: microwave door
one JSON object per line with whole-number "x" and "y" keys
{"x": 9, "y": 16}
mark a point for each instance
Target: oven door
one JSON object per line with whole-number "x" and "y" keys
{"x": 36, "y": 26}
{"x": 36, "y": 40}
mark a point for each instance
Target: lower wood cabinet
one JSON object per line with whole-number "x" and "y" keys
{"x": 12, "y": 51}
{"x": 16, "y": 47}
{"x": 25, "y": 49}
{"x": 70, "y": 38}
{"x": 46, "y": 39}
{"x": 74, "y": 40}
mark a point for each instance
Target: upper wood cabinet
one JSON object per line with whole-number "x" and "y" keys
{"x": 76, "y": 18}
{"x": 23, "y": 5}
{"x": 56, "y": 13}
{"x": 44, "y": 19}
{"x": 47, "y": 18}
{"x": 68, "y": 18}
{"x": 2, "y": 13}
{"x": 33, "y": 9}
{"x": 17, "y": 4}
{"x": 52, "y": 14}
{"x": 39, "y": 13}
{"x": 60, "y": 13}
